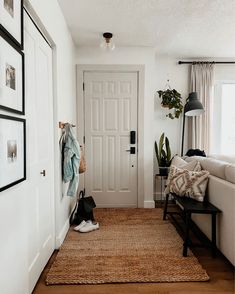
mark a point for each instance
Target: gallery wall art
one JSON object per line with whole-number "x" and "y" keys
{"x": 11, "y": 77}
{"x": 12, "y": 92}
{"x": 12, "y": 151}
{"x": 11, "y": 20}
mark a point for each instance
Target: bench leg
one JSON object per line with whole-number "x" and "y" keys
{"x": 213, "y": 234}
{"x": 165, "y": 207}
{"x": 186, "y": 237}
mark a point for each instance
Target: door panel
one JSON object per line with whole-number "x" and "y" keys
{"x": 40, "y": 145}
{"x": 111, "y": 168}
{"x": 97, "y": 159}
{"x": 110, "y": 116}
{"x": 124, "y": 164}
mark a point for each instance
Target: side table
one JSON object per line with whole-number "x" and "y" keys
{"x": 188, "y": 207}
{"x": 162, "y": 185}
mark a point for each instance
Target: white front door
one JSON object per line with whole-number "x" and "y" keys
{"x": 40, "y": 150}
{"x": 110, "y": 116}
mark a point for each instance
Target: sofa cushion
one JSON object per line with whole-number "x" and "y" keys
{"x": 188, "y": 183}
{"x": 230, "y": 173}
{"x": 215, "y": 167}
{"x": 227, "y": 158}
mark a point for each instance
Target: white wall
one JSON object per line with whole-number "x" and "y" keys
{"x": 168, "y": 68}
{"x": 13, "y": 202}
{"x": 132, "y": 55}
{"x": 178, "y": 75}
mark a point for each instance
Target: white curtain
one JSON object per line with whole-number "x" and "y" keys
{"x": 201, "y": 81}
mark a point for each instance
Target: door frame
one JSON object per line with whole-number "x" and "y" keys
{"x": 140, "y": 70}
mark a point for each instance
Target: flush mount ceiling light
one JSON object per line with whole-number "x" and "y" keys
{"x": 107, "y": 43}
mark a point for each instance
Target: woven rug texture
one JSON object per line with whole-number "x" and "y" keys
{"x": 132, "y": 245}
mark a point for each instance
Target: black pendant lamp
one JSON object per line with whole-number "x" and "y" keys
{"x": 193, "y": 107}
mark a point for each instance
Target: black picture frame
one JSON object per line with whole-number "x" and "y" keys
{"x": 18, "y": 43}
{"x": 22, "y": 56}
{"x": 5, "y": 147}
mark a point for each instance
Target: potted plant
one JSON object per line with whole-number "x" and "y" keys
{"x": 163, "y": 154}
{"x": 171, "y": 99}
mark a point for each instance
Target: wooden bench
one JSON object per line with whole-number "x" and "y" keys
{"x": 189, "y": 206}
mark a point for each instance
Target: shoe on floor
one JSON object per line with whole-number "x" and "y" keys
{"x": 82, "y": 224}
{"x": 88, "y": 227}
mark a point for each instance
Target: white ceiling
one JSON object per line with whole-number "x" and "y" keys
{"x": 187, "y": 28}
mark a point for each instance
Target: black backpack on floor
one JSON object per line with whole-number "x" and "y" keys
{"x": 83, "y": 209}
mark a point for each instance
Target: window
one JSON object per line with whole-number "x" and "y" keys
{"x": 223, "y": 119}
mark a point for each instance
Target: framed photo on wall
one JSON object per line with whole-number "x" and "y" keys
{"x": 12, "y": 151}
{"x": 11, "y": 76}
{"x": 11, "y": 20}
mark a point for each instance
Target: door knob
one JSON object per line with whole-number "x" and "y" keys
{"x": 43, "y": 173}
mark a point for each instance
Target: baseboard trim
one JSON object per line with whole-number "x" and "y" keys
{"x": 60, "y": 238}
{"x": 116, "y": 206}
{"x": 149, "y": 204}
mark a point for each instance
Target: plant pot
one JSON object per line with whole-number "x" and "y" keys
{"x": 164, "y": 105}
{"x": 163, "y": 170}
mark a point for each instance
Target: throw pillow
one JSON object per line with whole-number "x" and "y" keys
{"x": 193, "y": 165}
{"x": 188, "y": 183}
{"x": 177, "y": 161}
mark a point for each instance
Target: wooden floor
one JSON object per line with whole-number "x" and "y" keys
{"x": 221, "y": 274}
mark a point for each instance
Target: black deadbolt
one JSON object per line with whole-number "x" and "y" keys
{"x": 133, "y": 137}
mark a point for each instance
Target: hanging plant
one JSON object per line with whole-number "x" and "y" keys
{"x": 171, "y": 99}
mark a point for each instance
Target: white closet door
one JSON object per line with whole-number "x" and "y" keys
{"x": 40, "y": 150}
{"x": 110, "y": 116}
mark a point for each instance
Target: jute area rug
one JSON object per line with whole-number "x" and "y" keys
{"x": 132, "y": 245}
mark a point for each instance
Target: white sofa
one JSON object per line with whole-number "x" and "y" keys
{"x": 221, "y": 193}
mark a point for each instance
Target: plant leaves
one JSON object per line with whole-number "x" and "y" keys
{"x": 168, "y": 151}
{"x": 157, "y": 154}
{"x": 173, "y": 100}
{"x": 163, "y": 155}
{"x": 161, "y": 144}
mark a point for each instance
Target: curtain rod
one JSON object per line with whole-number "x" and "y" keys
{"x": 214, "y": 62}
